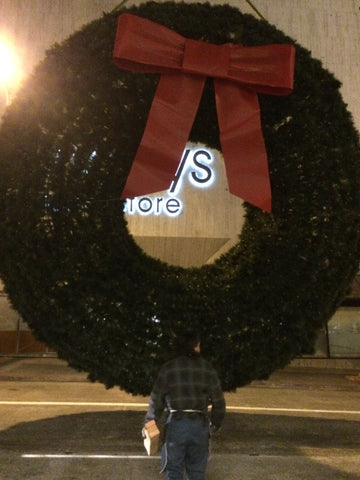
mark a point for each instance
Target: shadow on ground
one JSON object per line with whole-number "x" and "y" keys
{"x": 246, "y": 441}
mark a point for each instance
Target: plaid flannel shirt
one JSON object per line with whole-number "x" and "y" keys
{"x": 187, "y": 383}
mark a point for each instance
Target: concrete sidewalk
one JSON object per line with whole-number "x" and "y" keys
{"x": 301, "y": 424}
{"x": 50, "y": 368}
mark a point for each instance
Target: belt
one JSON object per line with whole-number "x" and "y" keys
{"x": 186, "y": 413}
{"x": 190, "y": 410}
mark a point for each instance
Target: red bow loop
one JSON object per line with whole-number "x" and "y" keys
{"x": 239, "y": 73}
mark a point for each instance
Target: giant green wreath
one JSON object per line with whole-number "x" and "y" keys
{"x": 75, "y": 274}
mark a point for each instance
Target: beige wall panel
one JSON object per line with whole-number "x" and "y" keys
{"x": 211, "y": 218}
{"x": 8, "y": 318}
{"x": 330, "y": 29}
{"x": 196, "y": 201}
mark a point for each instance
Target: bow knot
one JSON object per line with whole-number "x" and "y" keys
{"x": 206, "y": 59}
{"x": 239, "y": 73}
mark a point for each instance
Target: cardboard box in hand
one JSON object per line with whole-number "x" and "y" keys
{"x": 151, "y": 436}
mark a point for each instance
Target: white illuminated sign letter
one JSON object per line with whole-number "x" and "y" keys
{"x": 194, "y": 166}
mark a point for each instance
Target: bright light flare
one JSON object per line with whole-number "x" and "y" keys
{"x": 9, "y": 68}
{"x": 10, "y": 71}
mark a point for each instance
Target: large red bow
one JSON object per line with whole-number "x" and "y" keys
{"x": 238, "y": 72}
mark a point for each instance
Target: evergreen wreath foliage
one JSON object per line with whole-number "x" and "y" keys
{"x": 73, "y": 271}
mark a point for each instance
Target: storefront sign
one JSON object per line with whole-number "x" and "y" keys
{"x": 194, "y": 167}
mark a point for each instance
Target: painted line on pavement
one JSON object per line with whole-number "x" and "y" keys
{"x": 145, "y": 405}
{"x": 96, "y": 456}
{"x": 300, "y": 410}
{"x": 74, "y": 404}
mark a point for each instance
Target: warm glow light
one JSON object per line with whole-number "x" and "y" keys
{"x": 8, "y": 67}
{"x": 10, "y": 74}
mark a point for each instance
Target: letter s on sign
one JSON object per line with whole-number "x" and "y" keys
{"x": 203, "y": 174}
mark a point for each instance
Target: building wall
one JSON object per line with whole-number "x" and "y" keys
{"x": 328, "y": 28}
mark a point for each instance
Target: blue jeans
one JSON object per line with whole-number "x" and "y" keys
{"x": 187, "y": 444}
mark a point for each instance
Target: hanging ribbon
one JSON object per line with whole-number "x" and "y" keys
{"x": 239, "y": 73}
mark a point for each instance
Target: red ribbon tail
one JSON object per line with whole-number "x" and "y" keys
{"x": 243, "y": 144}
{"x": 167, "y": 130}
